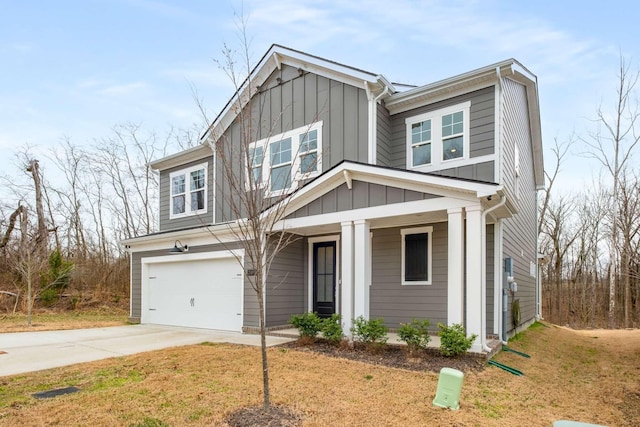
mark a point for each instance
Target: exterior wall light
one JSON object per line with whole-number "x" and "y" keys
{"x": 178, "y": 248}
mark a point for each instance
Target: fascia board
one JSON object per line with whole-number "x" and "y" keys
{"x": 274, "y": 59}
{"x": 198, "y": 152}
{"x": 447, "y": 88}
{"x": 223, "y": 232}
{"x": 441, "y": 186}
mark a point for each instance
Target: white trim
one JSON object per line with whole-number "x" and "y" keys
{"x": 311, "y": 241}
{"x": 436, "y": 141}
{"x": 295, "y": 174}
{"x": 473, "y": 318}
{"x": 417, "y": 230}
{"x": 361, "y": 268}
{"x": 187, "y": 191}
{"x": 455, "y": 265}
{"x": 346, "y": 307}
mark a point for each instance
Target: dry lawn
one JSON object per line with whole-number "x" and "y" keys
{"x": 592, "y": 376}
{"x": 51, "y": 320}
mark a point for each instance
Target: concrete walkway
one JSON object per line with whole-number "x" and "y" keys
{"x": 34, "y": 351}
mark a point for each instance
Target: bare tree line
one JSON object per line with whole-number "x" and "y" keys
{"x": 591, "y": 239}
{"x": 79, "y": 200}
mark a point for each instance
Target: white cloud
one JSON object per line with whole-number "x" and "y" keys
{"x": 122, "y": 89}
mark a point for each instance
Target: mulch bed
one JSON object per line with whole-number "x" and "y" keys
{"x": 257, "y": 416}
{"x": 393, "y": 356}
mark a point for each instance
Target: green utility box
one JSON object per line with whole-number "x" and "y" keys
{"x": 449, "y": 388}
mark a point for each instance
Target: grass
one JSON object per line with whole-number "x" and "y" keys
{"x": 49, "y": 320}
{"x": 570, "y": 375}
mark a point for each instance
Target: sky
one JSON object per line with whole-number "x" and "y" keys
{"x": 75, "y": 69}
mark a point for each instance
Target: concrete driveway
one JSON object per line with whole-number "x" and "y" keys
{"x": 34, "y": 351}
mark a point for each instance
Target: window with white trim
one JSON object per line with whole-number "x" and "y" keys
{"x": 438, "y": 137}
{"x": 281, "y": 161}
{"x": 188, "y": 188}
{"x": 416, "y": 255}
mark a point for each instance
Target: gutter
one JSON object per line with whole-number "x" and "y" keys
{"x": 483, "y": 290}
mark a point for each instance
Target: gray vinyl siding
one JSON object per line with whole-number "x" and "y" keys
{"x": 290, "y": 100}
{"x": 384, "y": 151}
{"x": 361, "y": 195}
{"x": 520, "y": 231}
{"x": 481, "y": 138}
{"x": 165, "y": 198}
{"x": 250, "y": 304}
{"x": 397, "y": 303}
{"x": 286, "y": 285}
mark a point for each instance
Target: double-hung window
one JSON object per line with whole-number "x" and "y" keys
{"x": 416, "y": 255}
{"x": 279, "y": 162}
{"x": 188, "y": 191}
{"x": 438, "y": 137}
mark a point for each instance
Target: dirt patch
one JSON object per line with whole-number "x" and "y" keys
{"x": 392, "y": 356}
{"x": 257, "y": 416}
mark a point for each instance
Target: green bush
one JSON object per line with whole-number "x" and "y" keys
{"x": 369, "y": 331}
{"x": 453, "y": 340}
{"x": 308, "y": 324}
{"x": 415, "y": 334}
{"x": 332, "y": 328}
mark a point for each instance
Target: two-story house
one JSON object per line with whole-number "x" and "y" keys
{"x": 410, "y": 201}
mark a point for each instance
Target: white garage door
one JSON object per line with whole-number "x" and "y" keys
{"x": 203, "y": 293}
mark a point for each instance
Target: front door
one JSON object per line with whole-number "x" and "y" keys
{"x": 324, "y": 278}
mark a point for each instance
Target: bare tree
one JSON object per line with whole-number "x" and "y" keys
{"x": 613, "y": 148}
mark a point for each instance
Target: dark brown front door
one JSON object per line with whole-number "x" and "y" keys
{"x": 324, "y": 278}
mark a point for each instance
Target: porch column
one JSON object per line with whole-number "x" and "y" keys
{"x": 362, "y": 269}
{"x": 346, "y": 289}
{"x": 474, "y": 275}
{"x": 455, "y": 290}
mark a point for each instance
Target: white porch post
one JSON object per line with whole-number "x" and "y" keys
{"x": 346, "y": 300}
{"x": 362, "y": 269}
{"x": 474, "y": 276}
{"x": 455, "y": 295}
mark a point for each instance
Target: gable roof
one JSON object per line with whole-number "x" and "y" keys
{"x": 273, "y": 59}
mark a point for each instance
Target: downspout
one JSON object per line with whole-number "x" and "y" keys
{"x": 373, "y": 122}
{"x": 483, "y": 290}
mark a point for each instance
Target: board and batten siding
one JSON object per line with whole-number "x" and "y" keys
{"x": 398, "y": 303}
{"x": 285, "y": 285}
{"x": 384, "y": 154}
{"x": 165, "y": 198}
{"x": 250, "y": 300}
{"x": 361, "y": 195}
{"x": 520, "y": 231}
{"x": 481, "y": 138}
{"x": 290, "y": 100}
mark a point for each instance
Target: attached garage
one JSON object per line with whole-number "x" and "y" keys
{"x": 201, "y": 290}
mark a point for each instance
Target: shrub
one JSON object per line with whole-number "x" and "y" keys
{"x": 332, "y": 328}
{"x": 369, "y": 331}
{"x": 308, "y": 324}
{"x": 415, "y": 334}
{"x": 453, "y": 340}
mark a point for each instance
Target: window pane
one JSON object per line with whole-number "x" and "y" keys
{"x": 197, "y": 179}
{"x": 452, "y": 148}
{"x": 177, "y": 184}
{"x": 308, "y": 163}
{"x": 415, "y": 257}
{"x": 452, "y": 124}
{"x": 280, "y": 177}
{"x": 197, "y": 200}
{"x": 309, "y": 141}
{"x": 178, "y": 204}
{"x": 421, "y": 132}
{"x": 255, "y": 154}
{"x": 257, "y": 175}
{"x": 421, "y": 154}
{"x": 281, "y": 151}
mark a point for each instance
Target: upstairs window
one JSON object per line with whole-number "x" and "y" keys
{"x": 438, "y": 137}
{"x": 188, "y": 189}
{"x": 281, "y": 161}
